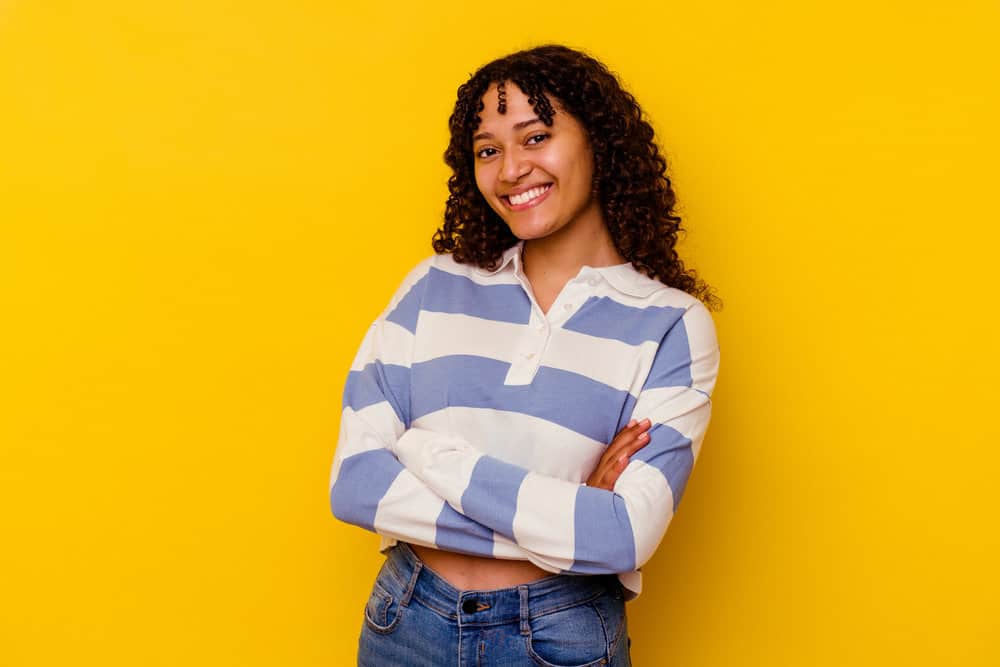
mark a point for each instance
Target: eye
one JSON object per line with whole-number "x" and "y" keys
{"x": 484, "y": 153}
{"x": 536, "y": 139}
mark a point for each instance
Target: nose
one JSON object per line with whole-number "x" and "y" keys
{"x": 515, "y": 166}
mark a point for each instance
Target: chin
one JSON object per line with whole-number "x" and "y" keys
{"x": 529, "y": 231}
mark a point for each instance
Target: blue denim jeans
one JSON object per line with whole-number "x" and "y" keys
{"x": 415, "y": 618}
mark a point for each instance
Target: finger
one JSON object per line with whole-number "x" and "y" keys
{"x": 619, "y": 447}
{"x": 629, "y": 432}
{"x": 638, "y": 443}
{"x": 612, "y": 477}
{"x": 643, "y": 425}
{"x": 633, "y": 438}
{"x": 627, "y": 448}
{"x": 628, "y": 428}
{"x": 632, "y": 423}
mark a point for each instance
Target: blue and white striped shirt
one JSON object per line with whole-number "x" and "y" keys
{"x": 471, "y": 418}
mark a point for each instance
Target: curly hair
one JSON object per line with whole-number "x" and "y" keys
{"x": 630, "y": 180}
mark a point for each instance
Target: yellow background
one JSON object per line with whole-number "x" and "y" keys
{"x": 203, "y": 204}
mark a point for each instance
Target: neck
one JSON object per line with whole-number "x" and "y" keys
{"x": 560, "y": 257}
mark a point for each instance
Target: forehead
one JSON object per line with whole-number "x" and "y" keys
{"x": 517, "y": 107}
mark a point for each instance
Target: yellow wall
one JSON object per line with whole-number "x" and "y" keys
{"x": 203, "y": 204}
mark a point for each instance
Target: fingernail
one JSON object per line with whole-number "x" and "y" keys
{"x": 632, "y": 423}
{"x": 646, "y": 421}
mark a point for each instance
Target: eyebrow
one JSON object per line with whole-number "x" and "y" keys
{"x": 517, "y": 126}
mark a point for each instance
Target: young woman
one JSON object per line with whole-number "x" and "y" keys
{"x": 520, "y": 422}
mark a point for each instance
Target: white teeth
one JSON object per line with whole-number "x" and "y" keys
{"x": 527, "y": 196}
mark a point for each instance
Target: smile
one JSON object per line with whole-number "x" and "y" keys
{"x": 528, "y": 198}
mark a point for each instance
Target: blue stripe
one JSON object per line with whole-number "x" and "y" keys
{"x": 450, "y": 293}
{"x": 626, "y": 415}
{"x": 457, "y": 532}
{"x": 669, "y": 452}
{"x": 574, "y": 401}
{"x": 672, "y": 363}
{"x": 363, "y": 479}
{"x": 606, "y": 318}
{"x": 379, "y": 382}
{"x": 491, "y": 497}
{"x": 603, "y": 533}
{"x": 407, "y": 311}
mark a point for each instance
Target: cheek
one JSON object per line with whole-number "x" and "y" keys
{"x": 482, "y": 181}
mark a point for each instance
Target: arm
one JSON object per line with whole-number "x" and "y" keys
{"x": 565, "y": 526}
{"x": 369, "y": 487}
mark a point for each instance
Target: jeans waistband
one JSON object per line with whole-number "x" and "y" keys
{"x": 490, "y": 607}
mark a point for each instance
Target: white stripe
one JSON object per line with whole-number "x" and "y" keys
{"x": 372, "y": 427}
{"x": 704, "y": 348}
{"x": 387, "y": 342}
{"x": 504, "y": 548}
{"x": 418, "y": 522}
{"x": 456, "y": 333}
{"x": 557, "y": 540}
{"x": 444, "y": 462}
{"x": 646, "y": 492}
{"x": 611, "y": 362}
{"x": 523, "y": 440}
{"x": 685, "y": 410}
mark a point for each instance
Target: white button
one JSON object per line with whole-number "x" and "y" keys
{"x": 568, "y": 306}
{"x": 541, "y": 328}
{"x": 530, "y": 355}
{"x": 593, "y": 282}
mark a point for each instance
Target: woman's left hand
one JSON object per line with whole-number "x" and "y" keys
{"x": 627, "y": 442}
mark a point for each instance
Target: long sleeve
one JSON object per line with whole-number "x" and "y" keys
{"x": 564, "y": 526}
{"x": 369, "y": 487}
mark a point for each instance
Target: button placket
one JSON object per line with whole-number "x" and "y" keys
{"x": 531, "y": 346}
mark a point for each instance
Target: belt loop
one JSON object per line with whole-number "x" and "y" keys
{"x": 522, "y": 591}
{"x": 418, "y": 565}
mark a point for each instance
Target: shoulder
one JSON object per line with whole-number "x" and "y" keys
{"x": 686, "y": 312}
{"x": 641, "y": 291}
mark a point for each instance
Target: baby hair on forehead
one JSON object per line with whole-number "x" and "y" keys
{"x": 537, "y": 98}
{"x": 502, "y": 97}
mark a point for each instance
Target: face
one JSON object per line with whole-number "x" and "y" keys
{"x": 538, "y": 178}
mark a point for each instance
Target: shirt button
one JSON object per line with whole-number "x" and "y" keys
{"x": 530, "y": 355}
{"x": 592, "y": 282}
{"x": 470, "y": 606}
{"x": 568, "y": 307}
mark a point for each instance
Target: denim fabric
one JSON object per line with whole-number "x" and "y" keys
{"x": 414, "y": 618}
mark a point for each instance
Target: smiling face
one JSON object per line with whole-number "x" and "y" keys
{"x": 538, "y": 178}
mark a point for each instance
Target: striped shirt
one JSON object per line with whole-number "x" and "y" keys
{"x": 471, "y": 418}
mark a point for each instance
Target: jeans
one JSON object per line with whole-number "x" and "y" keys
{"x": 415, "y": 618}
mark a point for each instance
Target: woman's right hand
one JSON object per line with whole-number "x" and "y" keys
{"x": 627, "y": 442}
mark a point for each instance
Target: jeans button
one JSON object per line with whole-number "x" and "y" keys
{"x": 470, "y": 606}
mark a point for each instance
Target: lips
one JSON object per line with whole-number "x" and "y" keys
{"x": 528, "y": 198}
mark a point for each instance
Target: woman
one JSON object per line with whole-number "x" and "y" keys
{"x": 529, "y": 406}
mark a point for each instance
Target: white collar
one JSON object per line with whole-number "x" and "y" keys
{"x": 623, "y": 277}
{"x": 511, "y": 254}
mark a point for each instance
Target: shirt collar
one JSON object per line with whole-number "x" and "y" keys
{"x": 511, "y": 254}
{"x": 625, "y": 279}
{"x": 622, "y": 277}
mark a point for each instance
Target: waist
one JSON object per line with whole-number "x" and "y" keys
{"x": 467, "y": 572}
{"x": 502, "y": 605}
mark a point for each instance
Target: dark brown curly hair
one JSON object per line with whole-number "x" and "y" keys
{"x": 630, "y": 180}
